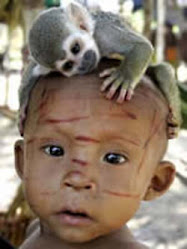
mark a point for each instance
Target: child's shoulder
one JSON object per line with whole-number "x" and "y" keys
{"x": 136, "y": 245}
{"x": 124, "y": 245}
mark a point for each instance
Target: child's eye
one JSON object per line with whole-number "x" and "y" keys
{"x": 115, "y": 158}
{"x": 54, "y": 150}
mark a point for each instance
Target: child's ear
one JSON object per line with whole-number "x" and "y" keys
{"x": 80, "y": 16}
{"x": 161, "y": 180}
{"x": 19, "y": 154}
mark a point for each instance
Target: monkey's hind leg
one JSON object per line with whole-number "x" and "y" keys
{"x": 164, "y": 77}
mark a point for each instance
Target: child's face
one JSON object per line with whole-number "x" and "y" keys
{"x": 88, "y": 162}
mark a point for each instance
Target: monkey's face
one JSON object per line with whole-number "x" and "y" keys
{"x": 81, "y": 54}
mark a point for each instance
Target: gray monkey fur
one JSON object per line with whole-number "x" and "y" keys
{"x": 46, "y": 36}
{"x": 112, "y": 36}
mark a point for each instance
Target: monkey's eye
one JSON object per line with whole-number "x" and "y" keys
{"x": 115, "y": 158}
{"x": 53, "y": 150}
{"x": 68, "y": 66}
{"x": 76, "y": 48}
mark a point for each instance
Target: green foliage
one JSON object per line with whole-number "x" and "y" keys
{"x": 51, "y": 3}
{"x": 10, "y": 12}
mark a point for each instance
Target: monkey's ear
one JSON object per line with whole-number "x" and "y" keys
{"x": 80, "y": 16}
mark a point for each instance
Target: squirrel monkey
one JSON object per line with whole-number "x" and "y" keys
{"x": 72, "y": 41}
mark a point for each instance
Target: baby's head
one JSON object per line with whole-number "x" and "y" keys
{"x": 87, "y": 162}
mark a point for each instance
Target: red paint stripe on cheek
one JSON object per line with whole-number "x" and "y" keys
{"x": 47, "y": 193}
{"x": 78, "y": 161}
{"x": 125, "y": 195}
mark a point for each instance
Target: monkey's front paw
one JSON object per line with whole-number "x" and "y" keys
{"x": 115, "y": 83}
{"x": 173, "y": 126}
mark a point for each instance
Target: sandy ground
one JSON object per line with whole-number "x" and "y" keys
{"x": 161, "y": 224}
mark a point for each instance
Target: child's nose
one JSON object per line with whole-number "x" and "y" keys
{"x": 78, "y": 181}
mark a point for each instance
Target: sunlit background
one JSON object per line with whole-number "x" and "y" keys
{"x": 160, "y": 224}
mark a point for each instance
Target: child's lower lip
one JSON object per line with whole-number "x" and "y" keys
{"x": 71, "y": 220}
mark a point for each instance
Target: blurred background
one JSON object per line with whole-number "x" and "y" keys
{"x": 159, "y": 224}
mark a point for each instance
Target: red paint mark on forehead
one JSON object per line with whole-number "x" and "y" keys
{"x": 131, "y": 115}
{"x": 142, "y": 160}
{"x": 67, "y": 120}
{"x": 152, "y": 127}
{"x": 151, "y": 133}
{"x": 78, "y": 161}
{"x": 124, "y": 115}
{"x": 86, "y": 139}
{"x": 125, "y": 195}
{"x": 45, "y": 96}
{"x": 155, "y": 127}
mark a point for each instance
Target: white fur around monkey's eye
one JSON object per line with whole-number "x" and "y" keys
{"x": 76, "y": 48}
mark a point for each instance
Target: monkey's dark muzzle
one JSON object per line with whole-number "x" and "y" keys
{"x": 89, "y": 62}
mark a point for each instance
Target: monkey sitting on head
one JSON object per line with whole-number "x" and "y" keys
{"x": 72, "y": 41}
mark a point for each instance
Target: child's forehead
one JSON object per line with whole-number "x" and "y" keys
{"x": 88, "y": 87}
{"x": 79, "y": 97}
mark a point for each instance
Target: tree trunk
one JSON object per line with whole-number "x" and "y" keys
{"x": 160, "y": 37}
{"x": 33, "y": 4}
{"x": 31, "y": 8}
{"x": 148, "y": 9}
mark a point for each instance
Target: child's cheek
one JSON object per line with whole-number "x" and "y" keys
{"x": 41, "y": 180}
{"x": 120, "y": 180}
{"x": 39, "y": 194}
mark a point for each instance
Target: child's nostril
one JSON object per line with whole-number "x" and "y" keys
{"x": 68, "y": 184}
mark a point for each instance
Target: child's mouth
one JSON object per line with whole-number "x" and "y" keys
{"x": 74, "y": 218}
{"x": 75, "y": 214}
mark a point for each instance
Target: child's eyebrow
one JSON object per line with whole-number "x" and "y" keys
{"x": 134, "y": 141}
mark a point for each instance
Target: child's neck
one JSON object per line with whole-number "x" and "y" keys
{"x": 113, "y": 240}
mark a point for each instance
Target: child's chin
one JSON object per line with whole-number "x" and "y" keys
{"x": 79, "y": 237}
